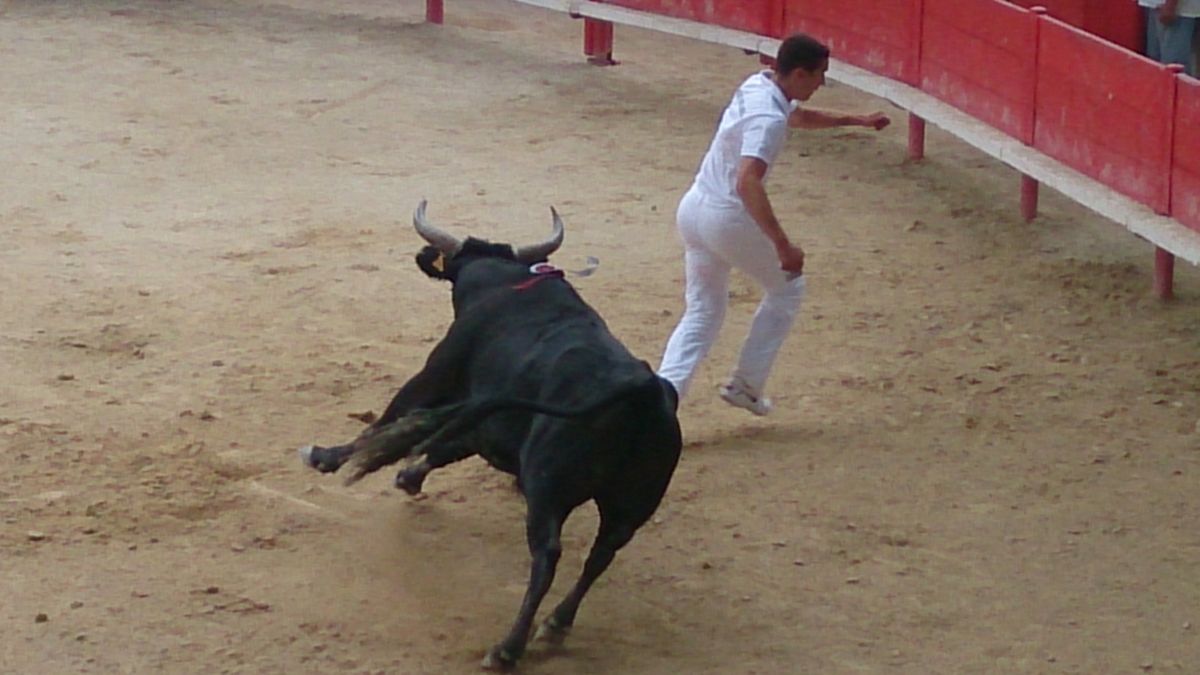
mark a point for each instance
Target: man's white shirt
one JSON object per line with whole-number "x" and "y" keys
{"x": 1186, "y": 8}
{"x": 754, "y": 124}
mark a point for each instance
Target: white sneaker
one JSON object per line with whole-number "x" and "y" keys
{"x": 735, "y": 395}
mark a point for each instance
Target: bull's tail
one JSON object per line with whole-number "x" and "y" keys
{"x": 484, "y": 408}
{"x": 424, "y": 428}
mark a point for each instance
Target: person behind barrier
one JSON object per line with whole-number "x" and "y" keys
{"x": 726, "y": 221}
{"x": 1170, "y": 28}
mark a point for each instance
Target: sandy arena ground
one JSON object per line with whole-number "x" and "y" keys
{"x": 985, "y": 456}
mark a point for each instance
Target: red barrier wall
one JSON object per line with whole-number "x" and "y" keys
{"x": 1185, "y": 172}
{"x": 882, "y": 36}
{"x": 756, "y": 16}
{"x": 1118, "y": 21}
{"x": 1067, "y": 11}
{"x": 1105, "y": 112}
{"x": 979, "y": 56}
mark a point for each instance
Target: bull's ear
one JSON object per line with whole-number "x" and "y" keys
{"x": 433, "y": 263}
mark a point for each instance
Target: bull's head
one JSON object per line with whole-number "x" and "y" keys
{"x": 445, "y": 253}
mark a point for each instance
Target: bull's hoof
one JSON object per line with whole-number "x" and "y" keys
{"x": 552, "y": 633}
{"x": 498, "y": 659}
{"x": 411, "y": 481}
{"x": 316, "y": 457}
{"x": 306, "y": 455}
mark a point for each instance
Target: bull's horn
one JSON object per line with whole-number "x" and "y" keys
{"x": 536, "y": 252}
{"x": 443, "y": 241}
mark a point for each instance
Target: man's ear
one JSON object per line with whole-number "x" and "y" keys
{"x": 433, "y": 263}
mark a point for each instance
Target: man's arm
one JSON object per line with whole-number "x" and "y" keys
{"x": 751, "y": 171}
{"x": 811, "y": 118}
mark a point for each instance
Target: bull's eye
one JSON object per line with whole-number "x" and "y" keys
{"x": 541, "y": 268}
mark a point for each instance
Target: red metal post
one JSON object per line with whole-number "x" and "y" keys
{"x": 1029, "y": 198}
{"x": 1164, "y": 274}
{"x": 917, "y": 18}
{"x": 1164, "y": 260}
{"x": 434, "y": 11}
{"x": 916, "y": 136}
{"x": 1029, "y": 186}
{"x": 1039, "y": 12}
{"x": 1168, "y": 166}
{"x": 598, "y": 42}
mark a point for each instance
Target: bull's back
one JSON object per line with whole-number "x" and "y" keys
{"x": 622, "y": 455}
{"x": 547, "y": 345}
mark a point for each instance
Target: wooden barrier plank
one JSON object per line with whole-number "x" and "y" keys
{"x": 978, "y": 55}
{"x": 1185, "y": 167}
{"x": 1106, "y": 112}
{"x": 754, "y": 16}
{"x": 882, "y": 36}
{"x": 1118, "y": 21}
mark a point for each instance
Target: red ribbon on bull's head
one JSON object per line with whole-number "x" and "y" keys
{"x": 540, "y": 271}
{"x": 544, "y": 270}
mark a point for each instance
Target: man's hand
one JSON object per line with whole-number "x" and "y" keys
{"x": 876, "y": 121}
{"x": 791, "y": 259}
{"x": 1168, "y": 12}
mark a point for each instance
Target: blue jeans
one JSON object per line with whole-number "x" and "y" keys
{"x": 1173, "y": 43}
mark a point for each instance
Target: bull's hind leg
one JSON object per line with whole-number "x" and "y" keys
{"x": 616, "y": 530}
{"x": 543, "y": 530}
{"x": 629, "y": 499}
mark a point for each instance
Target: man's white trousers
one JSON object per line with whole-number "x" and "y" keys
{"x": 715, "y": 240}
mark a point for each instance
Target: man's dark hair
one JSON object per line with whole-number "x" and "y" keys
{"x": 800, "y": 51}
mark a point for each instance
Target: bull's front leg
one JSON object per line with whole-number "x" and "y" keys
{"x": 427, "y": 389}
{"x": 378, "y": 446}
{"x": 330, "y": 459}
{"x": 438, "y": 383}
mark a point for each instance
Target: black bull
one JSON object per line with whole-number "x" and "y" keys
{"x": 529, "y": 378}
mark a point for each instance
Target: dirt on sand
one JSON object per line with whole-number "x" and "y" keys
{"x": 985, "y": 453}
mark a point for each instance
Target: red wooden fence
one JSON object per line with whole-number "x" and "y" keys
{"x": 882, "y": 36}
{"x": 977, "y": 55}
{"x": 1131, "y": 124}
